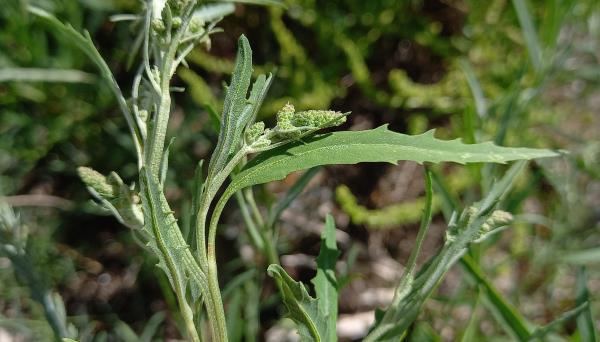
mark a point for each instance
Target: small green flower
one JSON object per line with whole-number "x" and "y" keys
{"x": 97, "y": 181}
{"x": 318, "y": 118}
{"x": 158, "y": 25}
{"x": 285, "y": 117}
{"x": 178, "y": 5}
{"x": 196, "y": 25}
{"x": 498, "y": 219}
{"x": 176, "y": 22}
{"x": 254, "y": 132}
{"x": 261, "y": 142}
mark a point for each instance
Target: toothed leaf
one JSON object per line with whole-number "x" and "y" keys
{"x": 302, "y": 308}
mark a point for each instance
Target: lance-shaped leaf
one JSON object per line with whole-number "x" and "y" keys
{"x": 167, "y": 243}
{"x": 325, "y": 282}
{"x": 375, "y": 145}
{"x": 303, "y": 309}
{"x": 235, "y": 101}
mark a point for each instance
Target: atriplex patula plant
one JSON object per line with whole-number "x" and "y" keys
{"x": 250, "y": 154}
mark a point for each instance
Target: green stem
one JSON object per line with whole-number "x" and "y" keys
{"x": 211, "y": 187}
{"x": 249, "y": 195}
{"x": 215, "y": 296}
{"x": 408, "y": 275}
{"x": 156, "y": 143}
{"x": 253, "y": 231}
{"x": 207, "y": 253}
{"x": 56, "y": 322}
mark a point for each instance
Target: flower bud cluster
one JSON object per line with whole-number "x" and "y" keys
{"x": 97, "y": 181}
{"x": 291, "y": 123}
{"x": 257, "y": 136}
{"x": 496, "y": 220}
{"x": 116, "y": 196}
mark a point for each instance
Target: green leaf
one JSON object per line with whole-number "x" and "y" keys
{"x": 529, "y": 33}
{"x": 212, "y": 12}
{"x": 234, "y": 319}
{"x": 235, "y": 101}
{"x": 480, "y": 101}
{"x": 540, "y": 333}
{"x": 45, "y": 75}
{"x": 325, "y": 281}
{"x": 503, "y": 311}
{"x": 585, "y": 322}
{"x": 376, "y": 145}
{"x": 258, "y": 2}
{"x": 586, "y": 256}
{"x": 195, "y": 207}
{"x": 303, "y": 309}
{"x": 291, "y": 195}
{"x": 151, "y": 327}
{"x": 168, "y": 244}
{"x": 164, "y": 165}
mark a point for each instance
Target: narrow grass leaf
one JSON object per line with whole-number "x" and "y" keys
{"x": 234, "y": 320}
{"x": 586, "y": 256}
{"x": 45, "y": 75}
{"x": 470, "y": 334}
{"x": 151, "y": 327}
{"x": 291, "y": 195}
{"x": 259, "y": 2}
{"x": 325, "y": 282}
{"x": 480, "y": 101}
{"x": 585, "y": 321}
{"x": 529, "y": 33}
{"x": 510, "y": 319}
{"x": 541, "y": 332}
{"x": 212, "y": 12}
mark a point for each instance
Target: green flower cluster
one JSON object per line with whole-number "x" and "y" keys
{"x": 291, "y": 123}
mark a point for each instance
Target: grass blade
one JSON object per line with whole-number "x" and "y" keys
{"x": 586, "y": 256}
{"x": 291, "y": 195}
{"x": 505, "y": 313}
{"x": 480, "y": 101}
{"x": 540, "y": 333}
{"x": 529, "y": 33}
{"x": 585, "y": 321}
{"x": 45, "y": 75}
{"x": 325, "y": 281}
